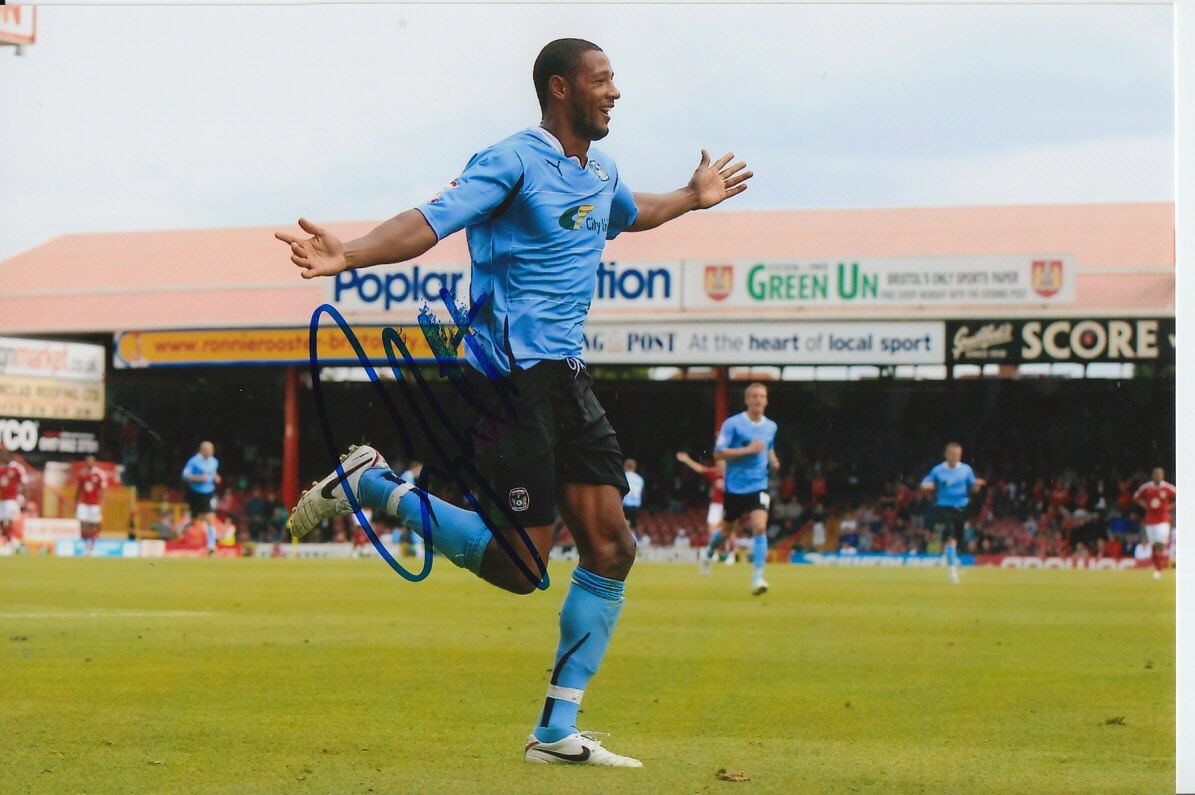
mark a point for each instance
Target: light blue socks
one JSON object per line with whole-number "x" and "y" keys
{"x": 759, "y": 554}
{"x": 457, "y": 534}
{"x": 587, "y": 620}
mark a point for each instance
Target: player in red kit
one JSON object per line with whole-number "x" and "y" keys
{"x": 716, "y": 475}
{"x": 91, "y": 482}
{"x": 1156, "y": 496}
{"x": 12, "y": 483}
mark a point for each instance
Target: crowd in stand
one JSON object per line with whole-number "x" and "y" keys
{"x": 1064, "y": 515}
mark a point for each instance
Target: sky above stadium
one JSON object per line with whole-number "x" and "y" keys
{"x": 137, "y": 117}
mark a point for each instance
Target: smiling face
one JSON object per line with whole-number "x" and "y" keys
{"x": 590, "y": 96}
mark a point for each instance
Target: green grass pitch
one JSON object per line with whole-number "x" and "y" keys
{"x": 339, "y": 676}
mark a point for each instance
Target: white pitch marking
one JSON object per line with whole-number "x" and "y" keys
{"x": 112, "y": 614}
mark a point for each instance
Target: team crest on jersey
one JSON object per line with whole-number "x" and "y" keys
{"x": 450, "y": 186}
{"x": 520, "y": 500}
{"x": 719, "y": 281}
{"x": 1046, "y": 276}
{"x": 597, "y": 169}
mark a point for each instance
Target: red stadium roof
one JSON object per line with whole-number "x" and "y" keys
{"x": 242, "y": 277}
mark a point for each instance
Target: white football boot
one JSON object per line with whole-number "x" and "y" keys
{"x": 581, "y": 748}
{"x": 759, "y": 586}
{"x": 328, "y": 498}
{"x": 704, "y": 560}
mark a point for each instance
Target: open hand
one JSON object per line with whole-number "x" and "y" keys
{"x": 714, "y": 184}
{"x": 322, "y": 254}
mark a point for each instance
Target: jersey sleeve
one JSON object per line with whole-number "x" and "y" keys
{"x": 931, "y": 477}
{"x": 1138, "y": 494}
{"x": 189, "y": 468}
{"x": 623, "y": 211}
{"x": 485, "y": 183}
{"x": 725, "y": 434}
{"x": 970, "y": 479}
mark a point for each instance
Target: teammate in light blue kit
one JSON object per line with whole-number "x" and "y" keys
{"x": 953, "y": 482}
{"x": 201, "y": 474}
{"x": 537, "y": 209}
{"x": 632, "y": 501}
{"x": 746, "y": 443}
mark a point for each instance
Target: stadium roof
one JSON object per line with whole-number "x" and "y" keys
{"x": 242, "y": 277}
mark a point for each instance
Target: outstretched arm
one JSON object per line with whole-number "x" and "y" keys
{"x": 684, "y": 458}
{"x": 403, "y": 237}
{"x": 710, "y": 185}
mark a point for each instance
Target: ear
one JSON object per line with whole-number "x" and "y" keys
{"x": 559, "y": 87}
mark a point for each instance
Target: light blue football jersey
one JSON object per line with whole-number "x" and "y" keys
{"x": 750, "y": 472}
{"x": 537, "y": 223}
{"x": 954, "y": 484}
{"x": 634, "y": 495}
{"x": 198, "y": 465}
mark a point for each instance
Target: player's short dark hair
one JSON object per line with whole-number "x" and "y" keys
{"x": 560, "y": 57}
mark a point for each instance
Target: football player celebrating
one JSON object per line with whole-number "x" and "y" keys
{"x": 537, "y": 208}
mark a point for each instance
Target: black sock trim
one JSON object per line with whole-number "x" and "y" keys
{"x": 549, "y": 702}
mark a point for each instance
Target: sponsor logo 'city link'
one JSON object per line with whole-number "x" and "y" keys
{"x": 576, "y": 218}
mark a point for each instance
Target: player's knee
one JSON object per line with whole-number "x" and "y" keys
{"x": 622, "y": 553}
{"x": 520, "y": 586}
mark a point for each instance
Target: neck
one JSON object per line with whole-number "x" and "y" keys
{"x": 574, "y": 145}
{"x": 754, "y": 416}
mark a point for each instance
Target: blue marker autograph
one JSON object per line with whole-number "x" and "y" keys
{"x": 461, "y": 470}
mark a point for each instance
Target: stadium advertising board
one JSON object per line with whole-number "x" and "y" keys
{"x": 331, "y": 549}
{"x": 1024, "y": 340}
{"x": 258, "y": 346}
{"x": 47, "y": 379}
{"x": 779, "y": 343}
{"x": 1073, "y": 562}
{"x": 881, "y": 281}
{"x": 873, "y": 559}
{"x": 61, "y": 361}
{"x": 50, "y": 399}
{"x": 103, "y": 548}
{"x": 47, "y": 531}
{"x": 746, "y": 284}
{"x": 395, "y": 288}
{"x": 38, "y": 436}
